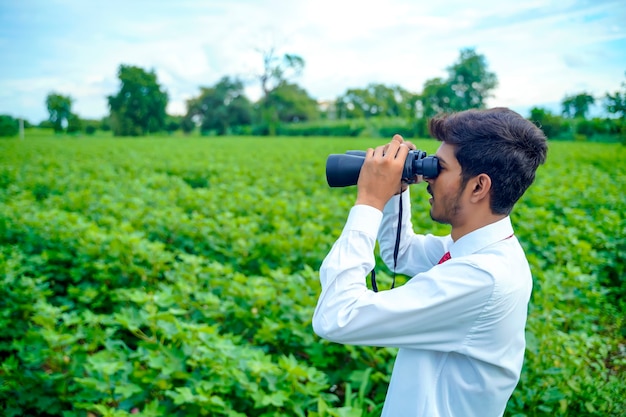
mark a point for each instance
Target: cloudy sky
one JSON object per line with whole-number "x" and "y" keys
{"x": 540, "y": 50}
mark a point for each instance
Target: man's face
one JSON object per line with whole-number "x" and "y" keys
{"x": 446, "y": 202}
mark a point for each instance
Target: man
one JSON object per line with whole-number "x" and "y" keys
{"x": 459, "y": 322}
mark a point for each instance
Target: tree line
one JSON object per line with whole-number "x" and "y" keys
{"x": 139, "y": 106}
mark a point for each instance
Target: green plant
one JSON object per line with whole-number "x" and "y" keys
{"x": 178, "y": 276}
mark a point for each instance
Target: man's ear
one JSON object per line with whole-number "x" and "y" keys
{"x": 481, "y": 187}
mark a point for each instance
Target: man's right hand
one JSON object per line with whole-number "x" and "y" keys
{"x": 381, "y": 173}
{"x": 418, "y": 178}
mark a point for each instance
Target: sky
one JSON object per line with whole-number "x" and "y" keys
{"x": 540, "y": 51}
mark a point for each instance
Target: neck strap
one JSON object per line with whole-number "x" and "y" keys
{"x": 396, "y": 249}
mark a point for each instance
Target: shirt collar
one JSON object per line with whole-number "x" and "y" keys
{"x": 481, "y": 238}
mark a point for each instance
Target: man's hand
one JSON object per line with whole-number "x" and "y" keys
{"x": 381, "y": 173}
{"x": 418, "y": 178}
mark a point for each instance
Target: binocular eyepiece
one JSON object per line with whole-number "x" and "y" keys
{"x": 343, "y": 170}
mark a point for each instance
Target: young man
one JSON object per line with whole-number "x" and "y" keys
{"x": 459, "y": 322}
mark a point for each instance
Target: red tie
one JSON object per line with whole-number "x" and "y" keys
{"x": 444, "y": 258}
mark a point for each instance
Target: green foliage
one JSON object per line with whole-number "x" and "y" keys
{"x": 436, "y": 97}
{"x": 616, "y": 103}
{"x": 468, "y": 86}
{"x": 339, "y": 128}
{"x": 577, "y": 105}
{"x": 576, "y": 322}
{"x": 375, "y": 127}
{"x": 60, "y": 110}
{"x": 8, "y": 125}
{"x": 578, "y": 128}
{"x": 74, "y": 124}
{"x": 291, "y": 103}
{"x": 552, "y": 125}
{"x": 277, "y": 71}
{"x": 285, "y": 108}
{"x": 375, "y": 100}
{"x": 220, "y": 108}
{"x": 105, "y": 124}
{"x": 177, "y": 276}
{"x": 470, "y": 81}
{"x": 173, "y": 123}
{"x": 91, "y": 126}
{"x": 139, "y": 106}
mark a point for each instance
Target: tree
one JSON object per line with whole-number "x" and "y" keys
{"x": 173, "y": 123}
{"x": 74, "y": 124}
{"x": 90, "y": 126}
{"x": 220, "y": 108}
{"x": 8, "y": 125}
{"x": 291, "y": 103}
{"x": 577, "y": 105}
{"x": 139, "y": 106}
{"x": 436, "y": 97}
{"x": 616, "y": 103}
{"x": 276, "y": 71}
{"x": 552, "y": 125}
{"x": 470, "y": 81}
{"x": 60, "y": 110}
{"x": 353, "y": 104}
{"x": 105, "y": 124}
{"x": 468, "y": 85}
{"x": 187, "y": 124}
{"x": 375, "y": 100}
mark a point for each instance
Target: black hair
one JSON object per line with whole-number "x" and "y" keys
{"x": 498, "y": 142}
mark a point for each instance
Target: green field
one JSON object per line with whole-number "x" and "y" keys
{"x": 172, "y": 276}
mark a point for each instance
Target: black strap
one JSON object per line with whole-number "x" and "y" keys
{"x": 396, "y": 249}
{"x": 373, "y": 278}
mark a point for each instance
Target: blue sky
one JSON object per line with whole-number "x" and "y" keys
{"x": 540, "y": 50}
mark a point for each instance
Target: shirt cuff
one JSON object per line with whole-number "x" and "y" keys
{"x": 365, "y": 219}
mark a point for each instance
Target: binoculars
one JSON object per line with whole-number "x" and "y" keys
{"x": 343, "y": 170}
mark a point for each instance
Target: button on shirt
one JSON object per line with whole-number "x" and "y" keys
{"x": 459, "y": 325}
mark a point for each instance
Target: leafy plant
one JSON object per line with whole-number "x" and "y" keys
{"x": 175, "y": 277}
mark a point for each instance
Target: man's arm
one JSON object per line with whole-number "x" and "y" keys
{"x": 433, "y": 310}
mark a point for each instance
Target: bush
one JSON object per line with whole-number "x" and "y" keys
{"x": 552, "y": 125}
{"x": 377, "y": 127}
{"x": 8, "y": 125}
{"x": 343, "y": 128}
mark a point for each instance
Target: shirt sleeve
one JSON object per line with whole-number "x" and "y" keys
{"x": 435, "y": 309}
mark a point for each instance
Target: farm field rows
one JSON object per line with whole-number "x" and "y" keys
{"x": 177, "y": 276}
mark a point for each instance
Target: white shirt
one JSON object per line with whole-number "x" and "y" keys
{"x": 459, "y": 325}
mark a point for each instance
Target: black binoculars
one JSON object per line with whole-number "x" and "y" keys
{"x": 343, "y": 170}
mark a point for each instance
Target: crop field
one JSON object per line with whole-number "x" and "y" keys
{"x": 172, "y": 276}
